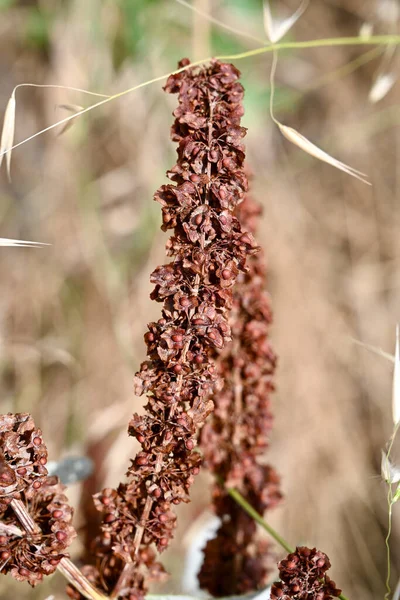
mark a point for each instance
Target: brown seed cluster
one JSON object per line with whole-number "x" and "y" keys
{"x": 29, "y": 555}
{"x": 209, "y": 249}
{"x": 236, "y": 437}
{"x": 303, "y": 577}
{"x": 23, "y": 457}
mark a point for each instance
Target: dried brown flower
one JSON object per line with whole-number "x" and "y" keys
{"x": 303, "y": 577}
{"x": 23, "y": 457}
{"x": 209, "y": 249}
{"x": 29, "y": 555}
{"x": 235, "y": 438}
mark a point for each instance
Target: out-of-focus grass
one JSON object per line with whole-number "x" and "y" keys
{"x": 72, "y": 316}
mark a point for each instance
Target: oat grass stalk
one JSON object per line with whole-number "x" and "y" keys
{"x": 378, "y": 40}
{"x": 300, "y": 140}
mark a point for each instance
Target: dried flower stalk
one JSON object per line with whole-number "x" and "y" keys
{"x": 31, "y": 499}
{"x": 209, "y": 249}
{"x": 303, "y": 575}
{"x": 235, "y": 439}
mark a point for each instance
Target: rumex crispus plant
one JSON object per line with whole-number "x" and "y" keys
{"x": 209, "y": 249}
{"x": 190, "y": 367}
{"x": 303, "y": 576}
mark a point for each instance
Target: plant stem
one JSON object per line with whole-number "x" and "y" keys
{"x": 374, "y": 40}
{"x": 389, "y": 531}
{"x": 67, "y": 568}
{"x": 237, "y": 496}
{"x": 390, "y": 507}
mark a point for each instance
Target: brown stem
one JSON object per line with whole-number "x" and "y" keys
{"x": 24, "y": 517}
{"x": 76, "y": 578}
{"x": 65, "y": 566}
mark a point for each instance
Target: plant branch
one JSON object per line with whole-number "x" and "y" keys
{"x": 75, "y": 577}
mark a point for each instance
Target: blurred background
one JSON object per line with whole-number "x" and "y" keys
{"x": 73, "y": 314}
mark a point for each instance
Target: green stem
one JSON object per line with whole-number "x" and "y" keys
{"x": 389, "y": 531}
{"x": 237, "y": 496}
{"x": 373, "y": 40}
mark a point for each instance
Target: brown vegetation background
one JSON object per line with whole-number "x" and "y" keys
{"x": 72, "y": 315}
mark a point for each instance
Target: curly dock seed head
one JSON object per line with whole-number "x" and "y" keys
{"x": 209, "y": 249}
{"x": 30, "y": 554}
{"x": 23, "y": 457}
{"x": 235, "y": 438}
{"x": 303, "y": 575}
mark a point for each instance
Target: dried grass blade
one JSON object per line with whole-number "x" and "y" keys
{"x": 7, "y": 135}
{"x": 366, "y": 30}
{"x": 390, "y": 473}
{"x": 276, "y": 30}
{"x": 302, "y": 142}
{"x": 396, "y": 382}
{"x": 381, "y": 87}
{"x": 21, "y": 243}
{"x": 374, "y": 349}
{"x": 385, "y": 76}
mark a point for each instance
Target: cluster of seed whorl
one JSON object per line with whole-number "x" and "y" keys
{"x": 29, "y": 555}
{"x": 209, "y": 249}
{"x": 23, "y": 457}
{"x": 303, "y": 577}
{"x": 236, "y": 437}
